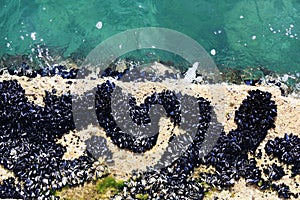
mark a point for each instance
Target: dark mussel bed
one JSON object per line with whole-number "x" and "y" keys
{"x": 29, "y": 132}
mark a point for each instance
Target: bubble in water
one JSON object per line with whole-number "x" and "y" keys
{"x": 213, "y": 52}
{"x": 99, "y": 25}
{"x": 33, "y": 35}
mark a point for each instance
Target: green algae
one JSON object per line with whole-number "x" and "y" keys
{"x": 109, "y": 183}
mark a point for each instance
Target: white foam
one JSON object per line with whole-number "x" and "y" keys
{"x": 33, "y": 35}
{"x": 213, "y": 52}
{"x": 99, "y": 25}
{"x": 285, "y": 77}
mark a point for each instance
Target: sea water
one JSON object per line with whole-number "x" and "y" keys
{"x": 259, "y": 33}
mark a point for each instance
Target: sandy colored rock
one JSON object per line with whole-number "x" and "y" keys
{"x": 5, "y": 174}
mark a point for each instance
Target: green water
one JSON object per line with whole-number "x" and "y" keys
{"x": 243, "y": 33}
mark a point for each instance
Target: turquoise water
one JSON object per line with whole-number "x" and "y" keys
{"x": 260, "y": 33}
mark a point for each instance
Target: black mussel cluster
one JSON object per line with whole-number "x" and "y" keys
{"x": 83, "y": 109}
{"x": 163, "y": 186}
{"x": 28, "y": 148}
{"x": 109, "y": 72}
{"x": 173, "y": 182}
{"x": 283, "y": 191}
{"x": 287, "y": 150}
{"x": 25, "y": 70}
{"x": 9, "y": 189}
{"x": 274, "y": 172}
{"x": 143, "y": 74}
{"x": 97, "y": 147}
{"x": 138, "y": 74}
{"x": 229, "y": 156}
{"x": 139, "y": 114}
{"x": 191, "y": 146}
{"x": 28, "y": 135}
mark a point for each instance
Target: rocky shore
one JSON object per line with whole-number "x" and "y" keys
{"x": 256, "y": 154}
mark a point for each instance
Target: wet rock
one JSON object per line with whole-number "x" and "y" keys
{"x": 25, "y": 70}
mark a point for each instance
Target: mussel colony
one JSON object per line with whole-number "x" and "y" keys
{"x": 28, "y": 135}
